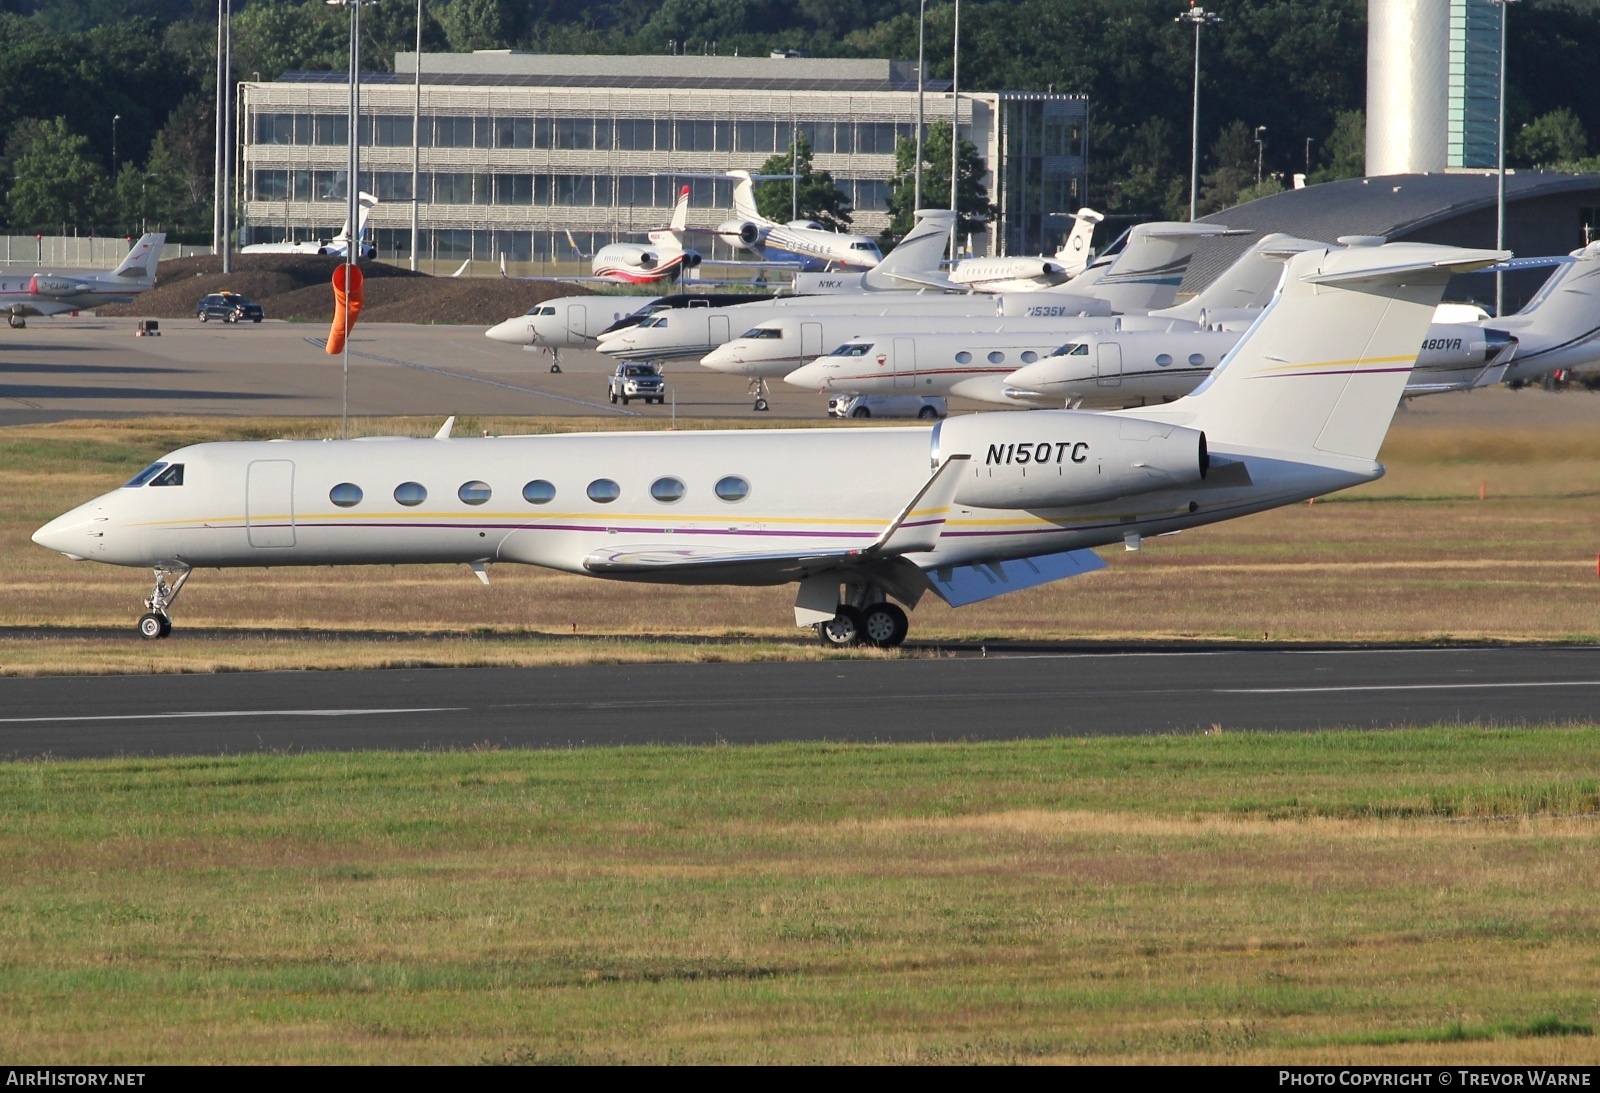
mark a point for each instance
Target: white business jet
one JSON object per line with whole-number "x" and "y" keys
{"x": 40, "y": 292}
{"x": 1027, "y": 273}
{"x": 335, "y": 246}
{"x": 804, "y": 244}
{"x": 972, "y": 508}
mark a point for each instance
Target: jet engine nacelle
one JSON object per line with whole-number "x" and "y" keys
{"x": 1056, "y": 458}
{"x": 749, "y": 234}
{"x": 56, "y": 286}
{"x": 691, "y": 259}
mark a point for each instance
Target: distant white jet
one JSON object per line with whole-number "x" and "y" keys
{"x": 1025, "y": 273}
{"x": 855, "y": 519}
{"x": 337, "y": 246}
{"x": 40, "y": 292}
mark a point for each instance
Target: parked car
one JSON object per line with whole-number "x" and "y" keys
{"x": 927, "y": 407}
{"x": 230, "y": 307}
{"x": 637, "y": 379}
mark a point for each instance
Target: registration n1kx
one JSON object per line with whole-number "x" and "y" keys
{"x": 855, "y": 519}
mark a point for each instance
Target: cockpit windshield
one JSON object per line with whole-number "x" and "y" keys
{"x": 852, "y": 349}
{"x": 762, "y": 332}
{"x": 144, "y": 476}
{"x": 1072, "y": 349}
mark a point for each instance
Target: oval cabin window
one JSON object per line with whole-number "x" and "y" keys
{"x": 732, "y": 488}
{"x": 538, "y": 492}
{"x": 345, "y": 495}
{"x": 410, "y": 494}
{"x": 667, "y": 490}
{"x": 474, "y": 493}
{"x": 603, "y": 491}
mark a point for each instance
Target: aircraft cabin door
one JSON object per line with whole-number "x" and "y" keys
{"x": 1108, "y": 366}
{"x": 905, "y": 362}
{"x": 577, "y": 320}
{"x": 719, "y": 330}
{"x": 810, "y": 341}
{"x": 269, "y": 503}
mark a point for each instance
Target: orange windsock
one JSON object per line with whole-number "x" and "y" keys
{"x": 346, "y": 305}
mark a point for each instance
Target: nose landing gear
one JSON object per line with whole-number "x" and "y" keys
{"x": 758, "y": 388}
{"x": 155, "y": 623}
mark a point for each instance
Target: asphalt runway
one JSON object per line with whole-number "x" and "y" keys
{"x": 998, "y": 696}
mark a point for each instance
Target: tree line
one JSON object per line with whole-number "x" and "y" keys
{"x": 106, "y": 106}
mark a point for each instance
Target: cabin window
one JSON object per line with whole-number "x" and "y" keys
{"x": 668, "y": 490}
{"x": 172, "y": 476}
{"x": 1163, "y": 359}
{"x": 603, "y": 491}
{"x": 963, "y": 357}
{"x": 145, "y": 475}
{"x": 345, "y": 495}
{"x": 1029, "y": 356}
{"x": 997, "y": 357}
{"x": 474, "y": 493}
{"x": 539, "y": 492}
{"x": 1197, "y": 359}
{"x": 732, "y": 488}
{"x": 410, "y": 494}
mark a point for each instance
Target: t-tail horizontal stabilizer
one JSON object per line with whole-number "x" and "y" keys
{"x": 963, "y": 584}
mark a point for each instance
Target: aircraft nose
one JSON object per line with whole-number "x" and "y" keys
{"x": 811, "y": 376}
{"x": 722, "y": 359}
{"x": 512, "y": 331}
{"x": 72, "y": 533}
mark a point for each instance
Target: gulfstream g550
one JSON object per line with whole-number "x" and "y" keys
{"x": 855, "y": 518}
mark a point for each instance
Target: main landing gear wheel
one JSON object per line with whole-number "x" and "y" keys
{"x": 884, "y": 626}
{"x": 845, "y": 629}
{"x": 154, "y": 627}
{"x": 16, "y": 322}
{"x": 761, "y": 405}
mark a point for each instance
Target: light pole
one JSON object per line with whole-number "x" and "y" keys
{"x": 1260, "y": 151}
{"x": 114, "y": 119}
{"x": 416, "y": 137}
{"x": 1500, "y": 152}
{"x": 916, "y": 186}
{"x": 352, "y": 246}
{"x": 221, "y": 214}
{"x": 1308, "y": 161}
{"x": 1200, "y": 17}
{"x": 955, "y": 128}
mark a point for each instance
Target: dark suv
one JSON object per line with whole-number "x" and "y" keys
{"x": 230, "y": 307}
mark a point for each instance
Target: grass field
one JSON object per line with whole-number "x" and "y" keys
{"x": 1411, "y": 896}
{"x": 1416, "y": 556}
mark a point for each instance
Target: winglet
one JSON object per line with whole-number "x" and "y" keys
{"x": 444, "y": 430}
{"x": 935, "y": 497}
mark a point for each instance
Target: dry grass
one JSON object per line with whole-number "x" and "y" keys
{"x": 1420, "y": 896}
{"x": 1414, "y": 556}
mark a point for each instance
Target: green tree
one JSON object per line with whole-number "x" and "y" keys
{"x": 1344, "y": 153}
{"x": 57, "y": 185}
{"x": 180, "y": 170}
{"x": 1556, "y": 137}
{"x": 481, "y": 24}
{"x": 973, "y": 199}
{"x": 813, "y": 195}
{"x": 1233, "y": 168}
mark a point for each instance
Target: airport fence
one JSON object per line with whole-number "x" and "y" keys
{"x": 78, "y": 252}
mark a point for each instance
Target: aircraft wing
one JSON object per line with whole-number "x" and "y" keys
{"x": 929, "y": 280}
{"x": 42, "y": 307}
{"x": 916, "y": 527}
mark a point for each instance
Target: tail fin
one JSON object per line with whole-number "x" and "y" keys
{"x": 364, "y": 204}
{"x": 1147, "y": 273}
{"x": 918, "y": 258}
{"x": 1322, "y": 370}
{"x": 744, "y": 196}
{"x": 673, "y": 233}
{"x": 140, "y": 264}
{"x": 1075, "y": 252}
{"x": 1249, "y": 282}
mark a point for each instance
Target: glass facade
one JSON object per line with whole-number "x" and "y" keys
{"x": 1474, "y": 84}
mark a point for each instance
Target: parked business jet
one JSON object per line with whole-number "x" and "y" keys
{"x": 663, "y": 258}
{"x": 804, "y": 242}
{"x": 1560, "y": 327}
{"x": 40, "y": 292}
{"x": 972, "y": 508}
{"x": 1027, "y": 273}
{"x": 337, "y": 246}
{"x": 575, "y": 322}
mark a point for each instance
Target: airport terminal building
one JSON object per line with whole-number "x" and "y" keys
{"x": 518, "y": 149}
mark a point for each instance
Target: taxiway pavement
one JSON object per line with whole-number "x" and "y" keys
{"x": 1000, "y": 696}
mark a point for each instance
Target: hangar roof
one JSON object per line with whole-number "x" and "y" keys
{"x": 1390, "y": 205}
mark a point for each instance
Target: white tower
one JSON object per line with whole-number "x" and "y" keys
{"x": 1408, "y": 54}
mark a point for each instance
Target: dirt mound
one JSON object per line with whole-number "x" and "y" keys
{"x": 295, "y": 287}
